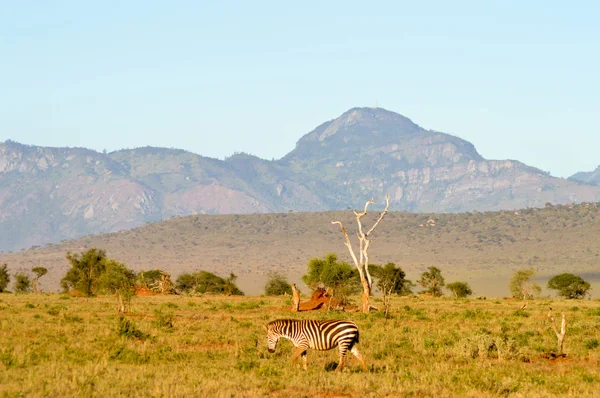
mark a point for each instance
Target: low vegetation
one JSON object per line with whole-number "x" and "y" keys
{"x": 4, "y": 277}
{"x": 207, "y": 282}
{"x": 337, "y": 277}
{"x": 277, "y": 284}
{"x": 181, "y": 345}
{"x": 459, "y": 289}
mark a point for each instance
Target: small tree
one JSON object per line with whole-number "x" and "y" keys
{"x": 4, "y": 278}
{"x": 85, "y": 270}
{"x": 391, "y": 280}
{"x": 339, "y": 278}
{"x": 22, "y": 283}
{"x": 521, "y": 285}
{"x": 460, "y": 289}
{"x": 277, "y": 285}
{"x": 119, "y": 280}
{"x": 569, "y": 286}
{"x": 230, "y": 287}
{"x": 432, "y": 281}
{"x": 39, "y": 272}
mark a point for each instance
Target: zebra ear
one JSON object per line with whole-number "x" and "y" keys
{"x": 265, "y": 327}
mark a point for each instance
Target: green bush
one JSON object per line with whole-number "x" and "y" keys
{"x": 339, "y": 277}
{"x": 277, "y": 285}
{"x": 22, "y": 283}
{"x": 590, "y": 344}
{"x": 460, "y": 289}
{"x": 207, "y": 282}
{"x": 127, "y": 328}
{"x": 163, "y": 320}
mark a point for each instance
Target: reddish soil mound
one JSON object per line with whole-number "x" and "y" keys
{"x": 318, "y": 301}
{"x": 142, "y": 291}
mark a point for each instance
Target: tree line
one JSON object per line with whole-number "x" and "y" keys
{"x": 93, "y": 273}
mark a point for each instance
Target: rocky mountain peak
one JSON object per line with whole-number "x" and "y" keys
{"x": 367, "y": 120}
{"x": 385, "y": 137}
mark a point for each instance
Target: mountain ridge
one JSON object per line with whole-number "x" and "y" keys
{"x": 48, "y": 194}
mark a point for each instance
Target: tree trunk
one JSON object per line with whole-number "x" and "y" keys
{"x": 365, "y": 296}
{"x": 362, "y": 265}
{"x": 563, "y": 330}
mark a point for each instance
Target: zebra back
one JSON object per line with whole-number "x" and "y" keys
{"x": 320, "y": 335}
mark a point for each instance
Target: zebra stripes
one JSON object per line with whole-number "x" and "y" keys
{"x": 318, "y": 335}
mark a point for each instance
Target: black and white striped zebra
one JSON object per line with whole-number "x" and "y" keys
{"x": 318, "y": 335}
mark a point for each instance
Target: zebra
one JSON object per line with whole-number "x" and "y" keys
{"x": 318, "y": 335}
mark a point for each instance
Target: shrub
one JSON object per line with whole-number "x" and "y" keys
{"x": 163, "y": 320}
{"x": 590, "y": 344}
{"x": 4, "y": 278}
{"x": 207, "y": 282}
{"x": 460, "y": 289}
{"x": 277, "y": 285}
{"x": 338, "y": 277}
{"x": 127, "y": 328}
{"x": 22, "y": 283}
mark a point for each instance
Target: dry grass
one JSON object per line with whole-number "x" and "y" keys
{"x": 53, "y": 345}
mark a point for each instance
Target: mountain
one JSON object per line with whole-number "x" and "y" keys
{"x": 591, "y": 177}
{"x": 51, "y": 194}
{"x": 371, "y": 152}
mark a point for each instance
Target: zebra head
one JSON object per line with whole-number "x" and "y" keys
{"x": 273, "y": 336}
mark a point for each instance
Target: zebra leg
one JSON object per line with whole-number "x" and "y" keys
{"x": 343, "y": 350}
{"x": 304, "y": 360}
{"x": 357, "y": 354}
{"x": 299, "y": 351}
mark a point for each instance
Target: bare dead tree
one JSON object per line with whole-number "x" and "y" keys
{"x": 563, "y": 330}
{"x": 362, "y": 262}
{"x": 164, "y": 285}
{"x": 295, "y": 298}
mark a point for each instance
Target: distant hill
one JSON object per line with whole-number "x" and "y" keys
{"x": 482, "y": 248}
{"x": 592, "y": 177}
{"x": 51, "y": 194}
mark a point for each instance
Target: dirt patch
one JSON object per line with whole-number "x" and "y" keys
{"x": 319, "y": 301}
{"x": 142, "y": 291}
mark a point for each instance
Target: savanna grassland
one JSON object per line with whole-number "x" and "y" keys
{"x": 57, "y": 345}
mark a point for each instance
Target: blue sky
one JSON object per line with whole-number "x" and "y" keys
{"x": 520, "y": 80}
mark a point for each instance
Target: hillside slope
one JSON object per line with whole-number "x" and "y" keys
{"x": 591, "y": 177}
{"x": 483, "y": 248}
